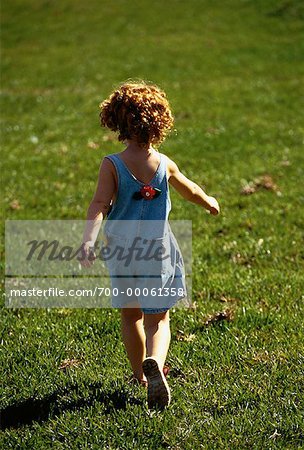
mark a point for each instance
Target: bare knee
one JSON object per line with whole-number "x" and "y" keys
{"x": 131, "y": 314}
{"x": 154, "y": 320}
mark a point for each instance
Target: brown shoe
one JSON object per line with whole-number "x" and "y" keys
{"x": 158, "y": 389}
{"x": 144, "y": 383}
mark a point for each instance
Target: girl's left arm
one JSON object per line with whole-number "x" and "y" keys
{"x": 101, "y": 201}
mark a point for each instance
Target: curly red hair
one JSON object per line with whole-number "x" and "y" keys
{"x": 138, "y": 111}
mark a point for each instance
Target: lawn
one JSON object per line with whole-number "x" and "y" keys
{"x": 233, "y": 72}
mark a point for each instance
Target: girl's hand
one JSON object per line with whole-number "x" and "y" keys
{"x": 213, "y": 208}
{"x": 87, "y": 256}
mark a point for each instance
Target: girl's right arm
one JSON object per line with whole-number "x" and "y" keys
{"x": 190, "y": 190}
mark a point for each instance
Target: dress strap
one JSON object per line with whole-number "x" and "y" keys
{"x": 121, "y": 167}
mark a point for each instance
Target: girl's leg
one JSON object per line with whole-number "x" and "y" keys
{"x": 158, "y": 335}
{"x": 134, "y": 338}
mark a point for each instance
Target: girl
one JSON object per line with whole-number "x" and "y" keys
{"x": 140, "y": 113}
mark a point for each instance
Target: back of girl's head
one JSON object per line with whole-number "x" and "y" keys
{"x": 138, "y": 111}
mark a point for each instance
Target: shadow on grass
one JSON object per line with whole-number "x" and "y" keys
{"x": 40, "y": 410}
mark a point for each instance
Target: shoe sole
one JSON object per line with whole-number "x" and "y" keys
{"x": 158, "y": 389}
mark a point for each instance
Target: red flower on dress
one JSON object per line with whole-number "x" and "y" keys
{"x": 147, "y": 192}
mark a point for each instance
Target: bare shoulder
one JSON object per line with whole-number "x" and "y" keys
{"x": 107, "y": 168}
{"x": 107, "y": 164}
{"x": 172, "y": 167}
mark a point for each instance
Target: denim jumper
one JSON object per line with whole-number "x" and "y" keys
{"x": 160, "y": 284}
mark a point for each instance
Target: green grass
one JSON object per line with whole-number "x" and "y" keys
{"x": 233, "y": 71}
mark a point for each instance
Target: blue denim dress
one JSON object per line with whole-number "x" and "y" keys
{"x": 158, "y": 285}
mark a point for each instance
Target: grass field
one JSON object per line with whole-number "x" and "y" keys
{"x": 233, "y": 71}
